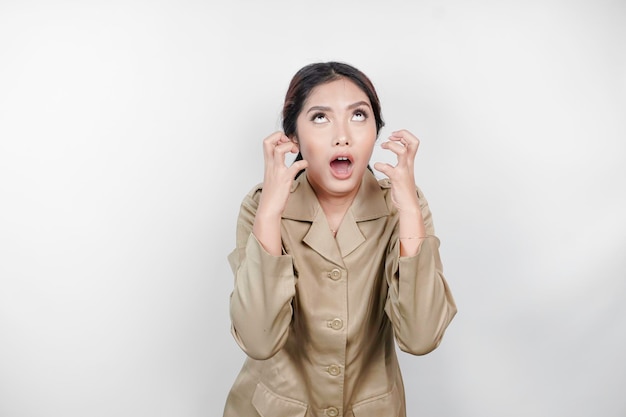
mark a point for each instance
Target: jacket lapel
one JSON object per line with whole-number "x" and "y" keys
{"x": 303, "y": 206}
{"x": 321, "y": 240}
{"x": 369, "y": 204}
{"x": 349, "y": 236}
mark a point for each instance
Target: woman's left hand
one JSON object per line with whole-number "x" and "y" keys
{"x": 402, "y": 176}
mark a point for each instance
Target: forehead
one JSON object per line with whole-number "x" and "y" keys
{"x": 340, "y": 91}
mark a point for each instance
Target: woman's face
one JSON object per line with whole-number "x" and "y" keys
{"x": 336, "y": 132}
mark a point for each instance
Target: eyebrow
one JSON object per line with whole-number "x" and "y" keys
{"x": 350, "y": 107}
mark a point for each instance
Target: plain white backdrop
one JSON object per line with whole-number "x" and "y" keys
{"x": 130, "y": 131}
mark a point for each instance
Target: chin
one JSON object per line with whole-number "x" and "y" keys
{"x": 345, "y": 186}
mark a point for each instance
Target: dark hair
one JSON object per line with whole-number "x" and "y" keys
{"x": 312, "y": 75}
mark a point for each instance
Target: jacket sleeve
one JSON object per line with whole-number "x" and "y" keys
{"x": 419, "y": 302}
{"x": 260, "y": 303}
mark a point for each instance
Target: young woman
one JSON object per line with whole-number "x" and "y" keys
{"x": 331, "y": 265}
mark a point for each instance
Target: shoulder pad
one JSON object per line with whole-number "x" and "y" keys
{"x": 384, "y": 183}
{"x": 255, "y": 190}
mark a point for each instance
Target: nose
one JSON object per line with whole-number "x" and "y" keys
{"x": 341, "y": 136}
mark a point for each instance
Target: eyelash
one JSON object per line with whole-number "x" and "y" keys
{"x": 363, "y": 112}
{"x": 357, "y": 111}
{"x": 316, "y": 115}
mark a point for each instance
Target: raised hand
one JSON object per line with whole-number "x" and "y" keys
{"x": 277, "y": 180}
{"x": 278, "y": 177}
{"x": 402, "y": 176}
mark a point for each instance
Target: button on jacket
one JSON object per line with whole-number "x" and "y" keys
{"x": 318, "y": 323}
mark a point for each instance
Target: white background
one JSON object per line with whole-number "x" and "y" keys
{"x": 130, "y": 131}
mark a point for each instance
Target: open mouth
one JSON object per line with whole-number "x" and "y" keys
{"x": 341, "y": 166}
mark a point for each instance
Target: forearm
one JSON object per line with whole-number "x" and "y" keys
{"x": 420, "y": 304}
{"x": 266, "y": 229}
{"x": 260, "y": 304}
{"x": 411, "y": 228}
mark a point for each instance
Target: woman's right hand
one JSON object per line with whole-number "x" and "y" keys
{"x": 277, "y": 181}
{"x": 278, "y": 177}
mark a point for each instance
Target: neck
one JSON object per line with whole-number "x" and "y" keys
{"x": 335, "y": 208}
{"x": 335, "y": 203}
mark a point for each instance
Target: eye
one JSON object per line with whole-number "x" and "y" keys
{"x": 319, "y": 118}
{"x": 359, "y": 115}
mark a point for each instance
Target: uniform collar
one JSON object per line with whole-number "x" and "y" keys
{"x": 303, "y": 205}
{"x": 368, "y": 204}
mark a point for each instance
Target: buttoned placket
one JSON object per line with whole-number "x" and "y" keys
{"x": 336, "y": 325}
{"x": 329, "y": 364}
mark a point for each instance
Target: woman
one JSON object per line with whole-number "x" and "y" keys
{"x": 332, "y": 265}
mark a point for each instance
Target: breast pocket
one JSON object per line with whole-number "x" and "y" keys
{"x": 385, "y": 405}
{"x": 270, "y": 404}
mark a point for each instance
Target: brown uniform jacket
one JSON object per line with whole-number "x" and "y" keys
{"x": 318, "y": 323}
